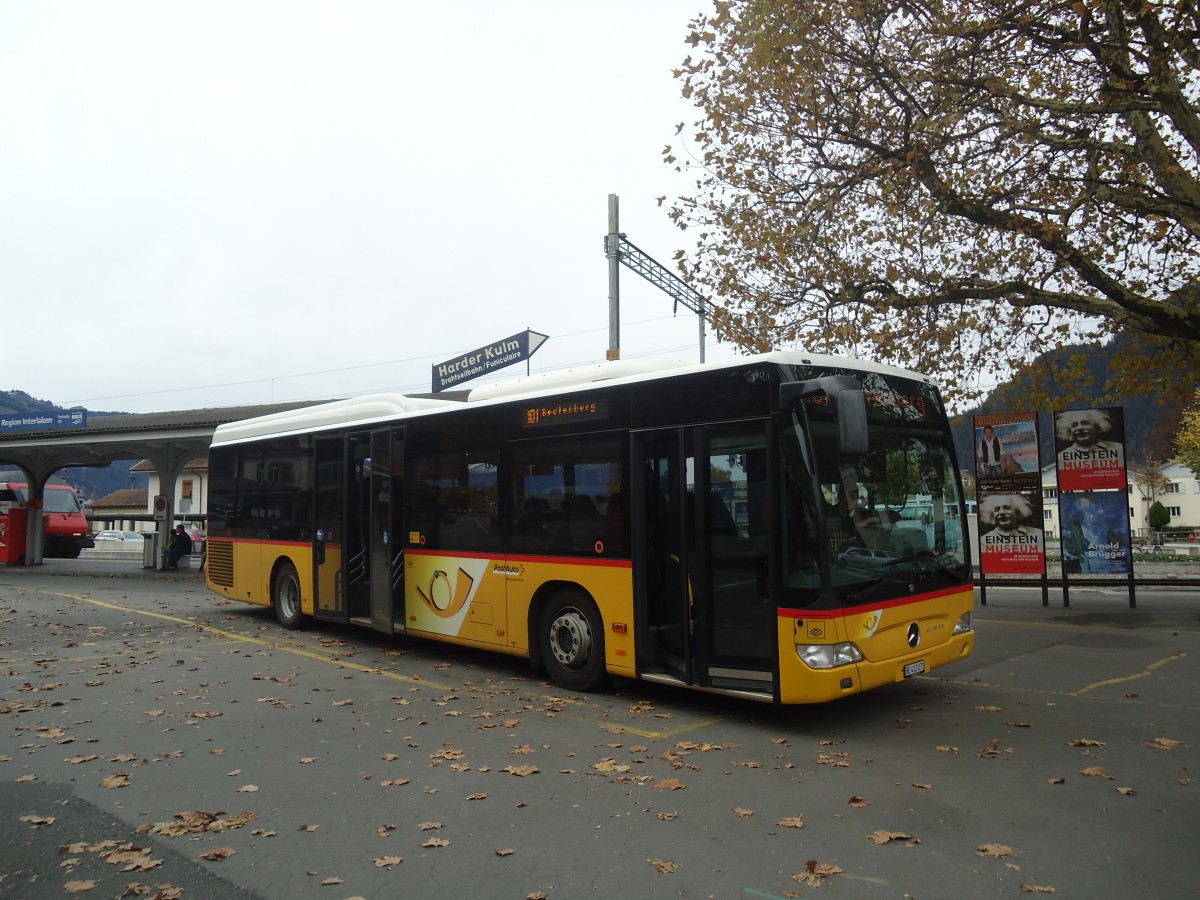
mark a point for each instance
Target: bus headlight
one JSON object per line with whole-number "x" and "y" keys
{"x": 829, "y": 656}
{"x": 964, "y": 624}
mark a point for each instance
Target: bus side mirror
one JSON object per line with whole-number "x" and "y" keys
{"x": 847, "y": 402}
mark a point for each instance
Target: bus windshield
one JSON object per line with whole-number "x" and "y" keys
{"x": 888, "y": 520}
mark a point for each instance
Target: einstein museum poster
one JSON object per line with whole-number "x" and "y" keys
{"x": 1011, "y": 540}
{"x": 1090, "y": 449}
{"x": 1095, "y": 533}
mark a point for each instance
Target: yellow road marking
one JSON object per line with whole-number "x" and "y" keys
{"x": 1142, "y": 674}
{"x": 375, "y": 670}
{"x": 1113, "y": 629}
{"x": 271, "y": 645}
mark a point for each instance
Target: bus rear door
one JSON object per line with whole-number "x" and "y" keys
{"x": 387, "y": 541}
{"x": 358, "y": 553}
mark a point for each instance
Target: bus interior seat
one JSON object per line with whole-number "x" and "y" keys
{"x": 720, "y": 518}
{"x": 587, "y": 525}
{"x": 908, "y": 541}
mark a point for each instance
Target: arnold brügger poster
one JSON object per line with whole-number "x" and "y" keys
{"x": 1095, "y": 533}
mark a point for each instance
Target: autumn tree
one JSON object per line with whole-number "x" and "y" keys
{"x": 950, "y": 185}
{"x": 1187, "y": 439}
{"x": 1149, "y": 481}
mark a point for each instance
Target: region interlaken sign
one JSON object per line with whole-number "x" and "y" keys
{"x": 488, "y": 358}
{"x": 72, "y": 418}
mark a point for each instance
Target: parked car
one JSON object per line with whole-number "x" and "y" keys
{"x": 865, "y": 558}
{"x": 132, "y": 537}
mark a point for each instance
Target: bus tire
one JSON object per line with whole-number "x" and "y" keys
{"x": 285, "y": 597}
{"x": 571, "y": 639}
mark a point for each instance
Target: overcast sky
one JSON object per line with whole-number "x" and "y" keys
{"x": 222, "y": 203}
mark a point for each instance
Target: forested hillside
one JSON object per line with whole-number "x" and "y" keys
{"x": 1076, "y": 377}
{"x": 89, "y": 483}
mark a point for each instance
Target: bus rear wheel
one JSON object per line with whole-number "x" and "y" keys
{"x": 285, "y": 597}
{"x": 572, "y": 642}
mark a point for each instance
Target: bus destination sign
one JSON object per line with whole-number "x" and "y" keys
{"x": 549, "y": 413}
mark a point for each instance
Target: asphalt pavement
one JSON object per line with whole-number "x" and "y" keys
{"x": 157, "y": 740}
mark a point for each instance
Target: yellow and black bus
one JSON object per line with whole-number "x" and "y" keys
{"x": 785, "y": 527}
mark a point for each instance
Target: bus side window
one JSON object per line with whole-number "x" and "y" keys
{"x": 563, "y": 491}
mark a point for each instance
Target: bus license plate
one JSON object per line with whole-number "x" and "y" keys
{"x": 914, "y": 668}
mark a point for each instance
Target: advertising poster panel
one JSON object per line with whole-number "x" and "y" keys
{"x": 1089, "y": 446}
{"x": 1006, "y": 452}
{"x": 1095, "y": 533}
{"x": 1011, "y": 540}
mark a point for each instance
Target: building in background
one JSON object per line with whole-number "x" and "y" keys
{"x": 1178, "y": 490}
{"x": 123, "y": 510}
{"x": 190, "y": 493}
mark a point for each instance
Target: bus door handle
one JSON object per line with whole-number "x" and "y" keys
{"x": 319, "y": 547}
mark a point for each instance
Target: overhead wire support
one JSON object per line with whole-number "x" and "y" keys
{"x": 662, "y": 278}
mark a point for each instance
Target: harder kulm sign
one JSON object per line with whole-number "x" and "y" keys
{"x": 489, "y": 358}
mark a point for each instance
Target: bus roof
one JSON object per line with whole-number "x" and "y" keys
{"x": 369, "y": 408}
{"x": 374, "y": 408}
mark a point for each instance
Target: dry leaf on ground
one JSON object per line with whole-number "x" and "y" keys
{"x": 879, "y": 836}
{"x": 997, "y": 851}
{"x": 1162, "y": 744}
{"x": 521, "y": 771}
{"x": 815, "y": 873}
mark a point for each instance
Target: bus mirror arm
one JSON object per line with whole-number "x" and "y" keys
{"x": 847, "y": 401}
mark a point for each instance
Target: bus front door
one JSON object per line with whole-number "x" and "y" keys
{"x": 702, "y": 512}
{"x": 664, "y": 611}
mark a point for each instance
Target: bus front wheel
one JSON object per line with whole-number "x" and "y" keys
{"x": 572, "y": 642}
{"x": 285, "y": 597}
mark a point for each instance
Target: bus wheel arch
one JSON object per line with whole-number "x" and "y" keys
{"x": 569, "y": 637}
{"x": 286, "y": 593}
